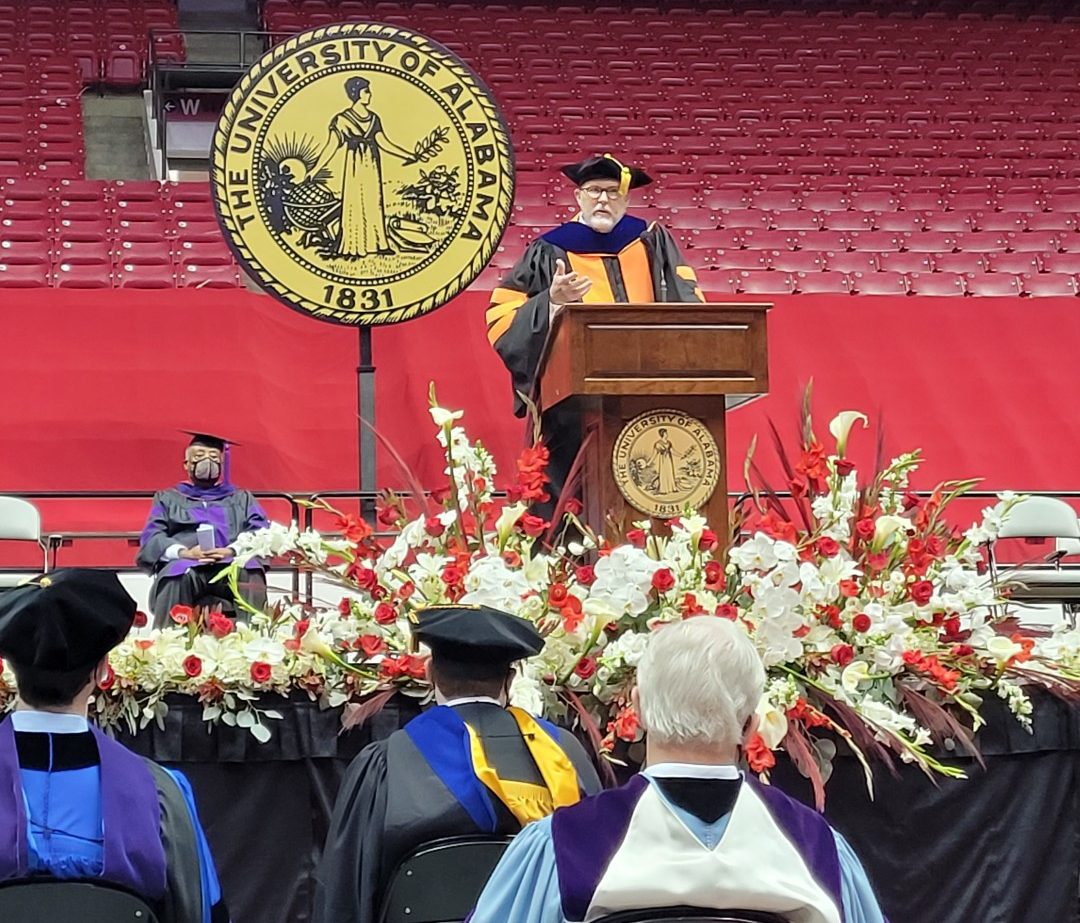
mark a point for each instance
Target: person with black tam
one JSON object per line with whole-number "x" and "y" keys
{"x": 470, "y": 765}
{"x": 74, "y": 803}
{"x": 190, "y": 531}
{"x": 603, "y": 255}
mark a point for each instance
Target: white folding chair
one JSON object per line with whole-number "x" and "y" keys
{"x": 20, "y": 521}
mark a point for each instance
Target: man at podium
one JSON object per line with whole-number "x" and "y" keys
{"x": 604, "y": 255}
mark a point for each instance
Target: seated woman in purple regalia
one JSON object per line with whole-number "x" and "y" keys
{"x": 690, "y": 830}
{"x": 169, "y": 548}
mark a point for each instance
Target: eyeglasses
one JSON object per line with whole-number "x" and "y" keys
{"x": 594, "y": 193}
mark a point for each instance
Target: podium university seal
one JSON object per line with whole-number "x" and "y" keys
{"x": 362, "y": 173}
{"x": 666, "y": 462}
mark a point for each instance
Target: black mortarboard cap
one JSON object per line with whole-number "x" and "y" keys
{"x": 65, "y": 621}
{"x": 606, "y": 167}
{"x": 477, "y": 634}
{"x": 209, "y": 440}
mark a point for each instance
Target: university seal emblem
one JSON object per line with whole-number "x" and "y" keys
{"x": 362, "y": 173}
{"x": 666, "y": 462}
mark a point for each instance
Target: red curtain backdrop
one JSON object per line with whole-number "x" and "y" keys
{"x": 96, "y": 385}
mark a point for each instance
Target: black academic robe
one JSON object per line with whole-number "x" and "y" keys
{"x": 636, "y": 262}
{"x": 391, "y": 802}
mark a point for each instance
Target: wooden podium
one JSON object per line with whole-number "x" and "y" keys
{"x": 615, "y": 362}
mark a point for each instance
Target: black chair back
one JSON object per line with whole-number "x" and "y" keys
{"x": 441, "y": 881}
{"x": 70, "y": 902}
{"x": 691, "y": 915}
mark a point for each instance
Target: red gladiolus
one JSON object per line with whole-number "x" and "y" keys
{"x": 1028, "y": 644}
{"x": 962, "y": 650}
{"x": 571, "y": 613}
{"x": 385, "y": 614}
{"x": 842, "y": 654}
{"x": 557, "y": 594}
{"x": 192, "y": 665}
{"x": 935, "y": 546}
{"x": 354, "y": 528}
{"x": 878, "y": 561}
{"x": 779, "y": 528}
{"x": 586, "y": 667}
{"x": 371, "y": 645}
{"x": 830, "y": 615}
{"x": 181, "y": 614}
{"x": 636, "y": 537}
{"x": 813, "y": 464}
{"x": 861, "y": 622}
{"x": 727, "y": 611}
{"x": 663, "y": 580}
{"x": 585, "y": 575}
{"x": 759, "y": 757}
{"x": 103, "y": 684}
{"x": 261, "y": 672}
{"x": 140, "y": 620}
{"x": 574, "y": 506}
{"x": 532, "y": 526}
{"x": 910, "y": 501}
{"x": 864, "y": 528}
{"x": 849, "y": 588}
{"x": 921, "y": 591}
{"x": 532, "y": 473}
{"x": 626, "y": 724}
{"x": 433, "y": 526}
{"x": 912, "y": 658}
{"x": 708, "y": 540}
{"x": 828, "y": 546}
{"x": 405, "y": 665}
{"x": 690, "y": 606}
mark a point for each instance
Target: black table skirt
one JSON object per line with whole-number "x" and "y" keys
{"x": 1002, "y": 846}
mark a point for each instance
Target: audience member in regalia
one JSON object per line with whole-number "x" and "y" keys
{"x": 184, "y": 561}
{"x": 691, "y": 829}
{"x": 603, "y": 255}
{"x": 470, "y": 765}
{"x": 74, "y": 803}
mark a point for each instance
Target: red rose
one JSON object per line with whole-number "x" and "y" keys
{"x": 103, "y": 684}
{"x": 864, "y": 528}
{"x": 220, "y": 625}
{"x": 842, "y": 654}
{"x": 533, "y": 526}
{"x": 921, "y": 591}
{"x": 844, "y": 467}
{"x": 759, "y": 757}
{"x": 433, "y": 526}
{"x": 574, "y": 506}
{"x": 877, "y": 561}
{"x": 261, "y": 672}
{"x": 371, "y": 645}
{"x": 827, "y": 546}
{"x": 345, "y": 606}
{"x": 663, "y": 580}
{"x": 708, "y": 540}
{"x": 192, "y": 665}
{"x": 585, "y": 575}
{"x": 861, "y": 622}
{"x": 727, "y": 611}
{"x": 385, "y": 614}
{"x": 935, "y": 546}
{"x": 366, "y": 578}
{"x": 586, "y": 667}
{"x": 849, "y": 588}
{"x": 452, "y": 574}
{"x": 636, "y": 537}
{"x": 714, "y": 576}
{"x": 181, "y": 614}
{"x": 140, "y": 620}
{"x": 830, "y": 615}
{"x": 406, "y": 589}
{"x": 389, "y": 515}
{"x": 962, "y": 650}
{"x": 557, "y": 594}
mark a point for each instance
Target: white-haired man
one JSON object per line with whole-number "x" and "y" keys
{"x": 690, "y": 830}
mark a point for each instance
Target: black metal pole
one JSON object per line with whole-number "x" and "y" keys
{"x": 365, "y": 420}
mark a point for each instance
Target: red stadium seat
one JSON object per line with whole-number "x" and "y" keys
{"x": 193, "y": 275}
{"x": 937, "y": 283}
{"x": 847, "y": 221}
{"x": 982, "y": 242}
{"x": 743, "y": 218}
{"x": 796, "y": 261}
{"x": 25, "y": 229}
{"x": 134, "y": 275}
{"x": 24, "y": 275}
{"x": 879, "y": 283}
{"x": 823, "y": 283}
{"x": 123, "y": 69}
{"x": 950, "y": 222}
{"x": 931, "y": 242}
{"x": 204, "y": 254}
{"x": 907, "y": 262}
{"x": 795, "y": 221}
{"x": 1017, "y": 263}
{"x": 1053, "y": 283}
{"x": 877, "y": 241}
{"x": 144, "y": 253}
{"x": 82, "y": 251}
{"x": 851, "y": 263}
{"x": 1005, "y": 222}
{"x": 1049, "y": 221}
{"x": 998, "y": 284}
{"x": 736, "y": 259}
{"x": 84, "y": 275}
{"x": 765, "y": 282}
{"x": 1035, "y": 242}
{"x": 715, "y": 239}
{"x": 903, "y": 222}
{"x": 755, "y": 239}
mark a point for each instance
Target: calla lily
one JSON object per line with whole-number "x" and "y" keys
{"x": 772, "y": 723}
{"x": 886, "y": 526}
{"x": 841, "y": 425}
{"x": 854, "y": 673}
{"x": 1002, "y": 648}
{"x": 508, "y": 518}
{"x": 443, "y": 417}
